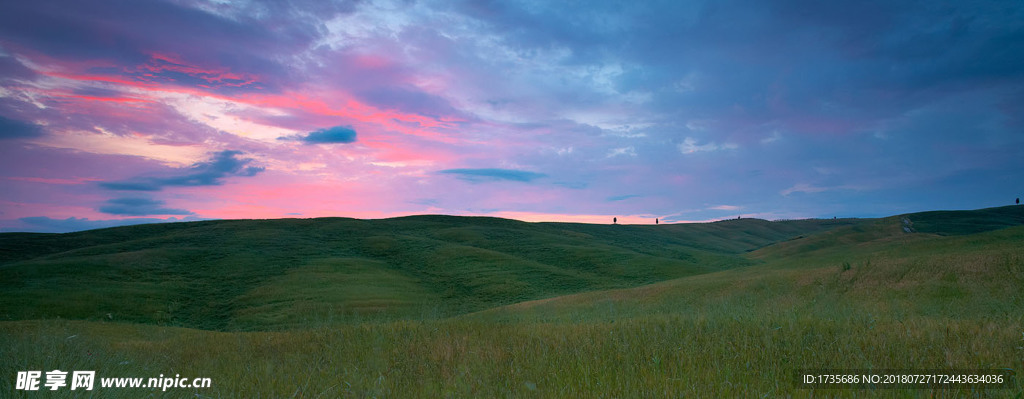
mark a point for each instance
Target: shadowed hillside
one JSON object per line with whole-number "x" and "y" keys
{"x": 873, "y": 263}
{"x": 967, "y": 222}
{"x": 259, "y": 274}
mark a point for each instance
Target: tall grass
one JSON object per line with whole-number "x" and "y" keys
{"x": 729, "y": 351}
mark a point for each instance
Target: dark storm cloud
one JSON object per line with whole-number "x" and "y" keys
{"x": 212, "y": 173}
{"x": 872, "y": 95}
{"x": 490, "y": 174}
{"x": 784, "y": 61}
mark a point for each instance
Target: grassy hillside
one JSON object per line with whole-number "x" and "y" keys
{"x": 750, "y": 303}
{"x": 873, "y": 265}
{"x": 967, "y": 222}
{"x": 257, "y": 275}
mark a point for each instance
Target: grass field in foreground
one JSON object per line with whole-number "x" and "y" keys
{"x": 859, "y": 295}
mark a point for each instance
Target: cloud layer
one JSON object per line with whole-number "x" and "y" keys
{"x": 210, "y": 173}
{"x": 137, "y": 206}
{"x": 576, "y": 111}
{"x": 485, "y": 174}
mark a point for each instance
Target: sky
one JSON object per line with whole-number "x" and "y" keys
{"x": 124, "y": 111}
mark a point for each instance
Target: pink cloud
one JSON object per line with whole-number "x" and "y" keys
{"x": 164, "y": 62}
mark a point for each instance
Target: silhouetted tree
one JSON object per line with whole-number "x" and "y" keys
{"x": 656, "y": 219}
{"x": 615, "y": 220}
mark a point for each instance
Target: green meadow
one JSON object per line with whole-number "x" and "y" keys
{"x": 441, "y": 306}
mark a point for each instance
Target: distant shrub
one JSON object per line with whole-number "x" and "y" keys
{"x": 846, "y": 266}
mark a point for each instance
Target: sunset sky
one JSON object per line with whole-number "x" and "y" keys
{"x": 117, "y": 112}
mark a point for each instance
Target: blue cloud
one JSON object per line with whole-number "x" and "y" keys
{"x": 43, "y": 224}
{"x": 425, "y": 201}
{"x": 488, "y": 174}
{"x": 212, "y": 173}
{"x": 13, "y": 129}
{"x": 139, "y": 207}
{"x": 332, "y": 135}
{"x": 623, "y": 197}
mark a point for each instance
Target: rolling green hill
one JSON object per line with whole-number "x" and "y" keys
{"x": 872, "y": 264}
{"x": 439, "y": 306}
{"x": 967, "y": 222}
{"x": 267, "y": 274}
